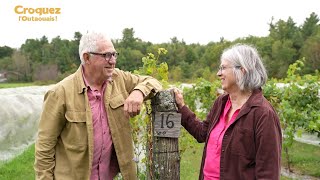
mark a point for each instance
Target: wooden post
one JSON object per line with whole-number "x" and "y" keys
{"x": 166, "y": 124}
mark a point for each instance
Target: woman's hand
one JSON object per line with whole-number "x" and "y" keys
{"x": 179, "y": 97}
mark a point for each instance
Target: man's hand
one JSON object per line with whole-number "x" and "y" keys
{"x": 132, "y": 104}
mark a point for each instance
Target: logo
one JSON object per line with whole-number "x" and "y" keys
{"x": 37, "y": 14}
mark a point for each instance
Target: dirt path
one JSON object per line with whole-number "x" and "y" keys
{"x": 285, "y": 172}
{"x": 308, "y": 139}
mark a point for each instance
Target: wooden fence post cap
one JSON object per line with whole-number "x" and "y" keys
{"x": 164, "y": 101}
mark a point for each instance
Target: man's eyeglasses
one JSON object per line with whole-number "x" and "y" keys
{"x": 107, "y": 56}
{"x": 221, "y": 68}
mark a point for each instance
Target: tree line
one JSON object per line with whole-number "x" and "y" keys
{"x": 42, "y": 60}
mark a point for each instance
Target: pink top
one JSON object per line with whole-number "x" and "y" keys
{"x": 102, "y": 167}
{"x": 212, "y": 162}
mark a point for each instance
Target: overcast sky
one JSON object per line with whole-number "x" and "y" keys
{"x": 194, "y": 21}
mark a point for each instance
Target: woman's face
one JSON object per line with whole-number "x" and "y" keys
{"x": 227, "y": 77}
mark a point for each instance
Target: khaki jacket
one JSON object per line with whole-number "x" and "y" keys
{"x": 64, "y": 147}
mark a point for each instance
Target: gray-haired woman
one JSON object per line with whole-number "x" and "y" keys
{"x": 242, "y": 132}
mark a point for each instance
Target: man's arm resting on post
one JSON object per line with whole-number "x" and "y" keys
{"x": 144, "y": 87}
{"x": 148, "y": 85}
{"x": 132, "y": 104}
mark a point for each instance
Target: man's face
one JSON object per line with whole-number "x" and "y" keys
{"x": 102, "y": 62}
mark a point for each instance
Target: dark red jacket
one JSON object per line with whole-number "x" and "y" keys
{"x": 251, "y": 146}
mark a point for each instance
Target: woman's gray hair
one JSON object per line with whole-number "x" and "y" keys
{"x": 88, "y": 43}
{"x": 248, "y": 58}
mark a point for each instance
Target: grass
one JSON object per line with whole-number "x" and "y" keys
{"x": 305, "y": 160}
{"x": 285, "y": 178}
{"x": 19, "y": 168}
{"x": 13, "y": 85}
{"x": 23, "y": 84}
{"x": 190, "y": 162}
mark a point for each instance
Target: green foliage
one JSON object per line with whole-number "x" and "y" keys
{"x": 129, "y": 59}
{"x": 273, "y": 93}
{"x": 140, "y": 133}
{"x": 297, "y": 103}
{"x": 5, "y": 51}
{"x": 285, "y": 43}
{"x": 39, "y": 52}
{"x": 311, "y": 50}
{"x": 309, "y": 28}
{"x": 6, "y": 63}
{"x": 152, "y": 67}
{"x": 292, "y": 73}
{"x": 128, "y": 39}
{"x": 141, "y": 124}
{"x": 201, "y": 96}
{"x": 175, "y": 74}
{"x": 283, "y": 54}
{"x": 199, "y": 99}
{"x": 211, "y": 56}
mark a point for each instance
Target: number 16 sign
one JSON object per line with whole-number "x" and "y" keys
{"x": 167, "y": 124}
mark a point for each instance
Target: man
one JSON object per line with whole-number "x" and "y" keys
{"x": 84, "y": 130}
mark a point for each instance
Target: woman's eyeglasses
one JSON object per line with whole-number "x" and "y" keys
{"x": 221, "y": 68}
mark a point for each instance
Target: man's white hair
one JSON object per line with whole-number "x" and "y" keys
{"x": 88, "y": 43}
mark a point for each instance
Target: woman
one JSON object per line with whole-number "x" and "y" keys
{"x": 242, "y": 132}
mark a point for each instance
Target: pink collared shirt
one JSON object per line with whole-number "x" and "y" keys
{"x": 102, "y": 167}
{"x": 211, "y": 169}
